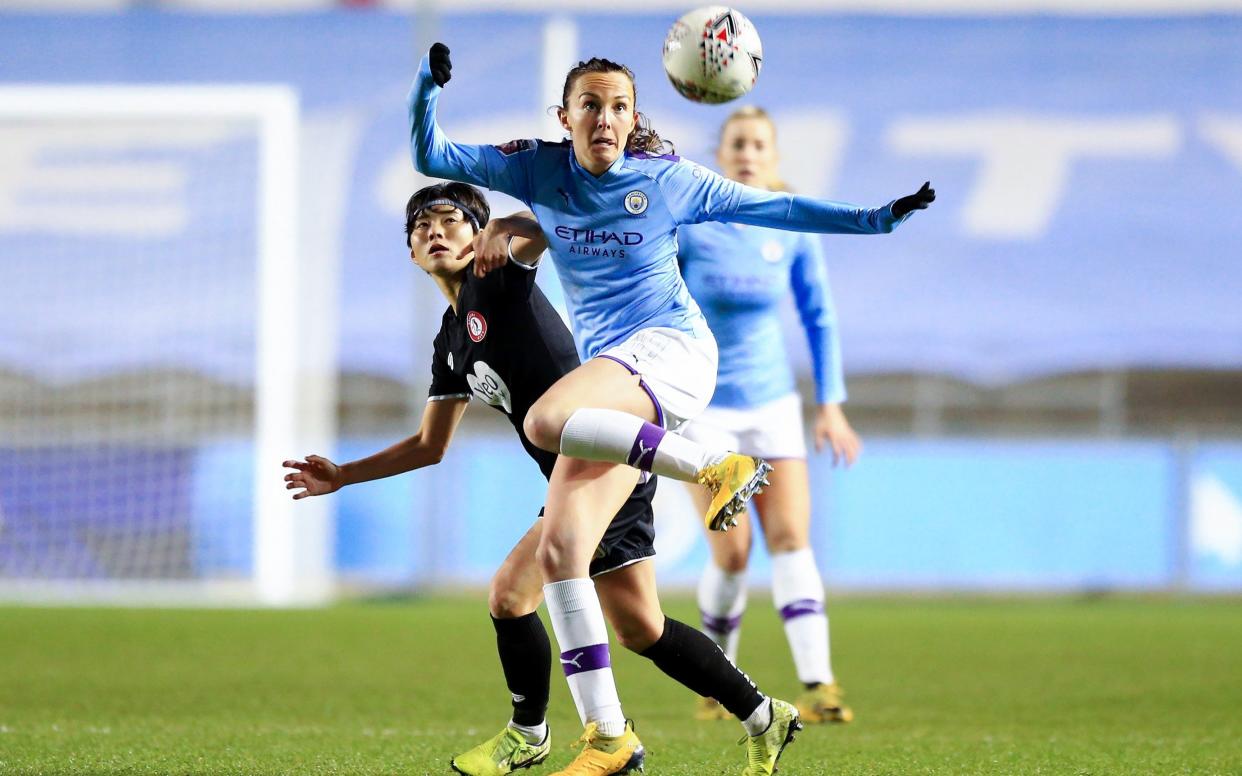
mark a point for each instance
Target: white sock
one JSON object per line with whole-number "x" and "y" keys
{"x": 722, "y": 601}
{"x": 534, "y": 734}
{"x": 619, "y": 437}
{"x": 759, "y": 719}
{"x": 578, "y": 622}
{"x": 798, "y": 592}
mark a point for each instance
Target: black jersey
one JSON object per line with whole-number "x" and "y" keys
{"x": 505, "y": 344}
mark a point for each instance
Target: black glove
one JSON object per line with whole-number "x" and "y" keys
{"x": 441, "y": 67}
{"x": 919, "y": 200}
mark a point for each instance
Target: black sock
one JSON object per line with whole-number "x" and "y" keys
{"x": 526, "y": 657}
{"x": 693, "y": 659}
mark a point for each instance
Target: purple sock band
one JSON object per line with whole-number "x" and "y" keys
{"x": 642, "y": 454}
{"x": 588, "y": 658}
{"x": 720, "y": 624}
{"x": 801, "y": 608}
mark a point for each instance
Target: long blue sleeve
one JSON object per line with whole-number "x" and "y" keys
{"x": 805, "y": 214}
{"x": 813, "y": 296}
{"x": 498, "y": 168}
{"x": 696, "y": 194}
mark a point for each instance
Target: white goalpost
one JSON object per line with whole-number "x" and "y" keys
{"x": 157, "y": 354}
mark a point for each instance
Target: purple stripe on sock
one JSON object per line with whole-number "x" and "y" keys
{"x": 642, "y": 454}
{"x": 801, "y": 608}
{"x": 720, "y": 624}
{"x": 588, "y": 658}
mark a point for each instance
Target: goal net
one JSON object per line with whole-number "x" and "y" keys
{"x": 153, "y": 373}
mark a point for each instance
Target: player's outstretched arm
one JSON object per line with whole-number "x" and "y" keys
{"x": 709, "y": 197}
{"x": 317, "y": 476}
{"x": 807, "y": 214}
{"x": 435, "y": 155}
{"x": 516, "y": 237}
{"x": 430, "y": 148}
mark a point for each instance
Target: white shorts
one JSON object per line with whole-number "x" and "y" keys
{"x": 772, "y": 430}
{"x": 677, "y": 370}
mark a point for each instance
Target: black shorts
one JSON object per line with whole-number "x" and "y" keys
{"x": 630, "y": 537}
{"x": 631, "y": 534}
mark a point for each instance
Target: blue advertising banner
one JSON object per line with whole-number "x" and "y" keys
{"x": 1087, "y": 170}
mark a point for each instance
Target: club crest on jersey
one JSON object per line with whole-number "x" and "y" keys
{"x": 476, "y": 326}
{"x": 635, "y": 203}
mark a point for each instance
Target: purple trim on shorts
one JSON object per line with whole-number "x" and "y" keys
{"x": 720, "y": 624}
{"x": 643, "y": 384}
{"x": 642, "y": 454}
{"x": 801, "y": 609}
{"x": 589, "y": 658}
{"x": 629, "y": 368}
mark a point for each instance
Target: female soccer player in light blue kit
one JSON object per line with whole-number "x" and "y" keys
{"x": 609, "y": 210}
{"x": 740, "y": 275}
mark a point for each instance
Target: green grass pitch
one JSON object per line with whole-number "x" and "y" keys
{"x": 1064, "y": 686}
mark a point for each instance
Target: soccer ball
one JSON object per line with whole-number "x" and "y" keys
{"x": 713, "y": 54}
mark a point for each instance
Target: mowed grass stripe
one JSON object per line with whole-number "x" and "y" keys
{"x": 1055, "y": 686}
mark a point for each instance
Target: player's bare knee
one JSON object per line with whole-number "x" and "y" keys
{"x": 639, "y": 634}
{"x": 543, "y": 425}
{"x": 552, "y": 557}
{"x": 779, "y": 543}
{"x": 733, "y": 562}
{"x": 505, "y": 602}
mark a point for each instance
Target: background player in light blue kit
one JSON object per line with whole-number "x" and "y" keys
{"x": 609, "y": 210}
{"x": 740, "y": 275}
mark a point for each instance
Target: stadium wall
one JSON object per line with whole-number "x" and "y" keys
{"x": 971, "y": 515}
{"x": 1087, "y": 167}
{"x": 1088, "y": 170}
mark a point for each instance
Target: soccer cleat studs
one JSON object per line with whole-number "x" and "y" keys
{"x": 731, "y": 481}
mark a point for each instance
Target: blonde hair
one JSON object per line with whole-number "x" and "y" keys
{"x": 753, "y": 112}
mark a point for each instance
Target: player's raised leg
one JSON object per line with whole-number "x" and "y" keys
{"x": 579, "y": 417}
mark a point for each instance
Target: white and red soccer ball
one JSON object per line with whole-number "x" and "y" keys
{"x": 713, "y": 54}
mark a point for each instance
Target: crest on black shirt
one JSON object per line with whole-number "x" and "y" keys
{"x": 476, "y": 326}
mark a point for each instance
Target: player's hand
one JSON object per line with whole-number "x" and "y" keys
{"x": 316, "y": 475}
{"x": 833, "y": 429}
{"x": 441, "y": 67}
{"x": 490, "y": 246}
{"x": 919, "y": 200}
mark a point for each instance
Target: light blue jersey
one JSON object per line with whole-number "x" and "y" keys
{"x": 739, "y": 275}
{"x": 614, "y": 237}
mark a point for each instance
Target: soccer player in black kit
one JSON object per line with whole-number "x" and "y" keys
{"x": 501, "y": 341}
